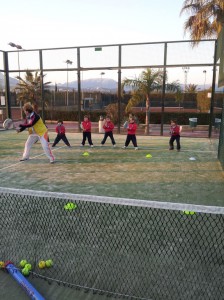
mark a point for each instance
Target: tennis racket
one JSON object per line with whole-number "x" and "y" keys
{"x": 8, "y": 124}
{"x": 126, "y": 124}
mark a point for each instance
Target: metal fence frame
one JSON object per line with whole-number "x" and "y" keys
{"x": 119, "y": 69}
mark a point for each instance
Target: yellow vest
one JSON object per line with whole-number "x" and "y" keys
{"x": 38, "y": 128}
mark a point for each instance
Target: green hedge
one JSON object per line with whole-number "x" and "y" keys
{"x": 155, "y": 118}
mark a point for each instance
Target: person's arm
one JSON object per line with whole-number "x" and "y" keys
{"x": 29, "y": 123}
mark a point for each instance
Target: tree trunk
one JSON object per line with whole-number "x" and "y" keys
{"x": 147, "y": 117}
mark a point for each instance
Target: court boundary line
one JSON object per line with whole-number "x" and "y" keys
{"x": 33, "y": 157}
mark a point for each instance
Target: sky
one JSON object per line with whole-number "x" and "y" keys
{"x": 35, "y": 24}
{"x": 41, "y": 24}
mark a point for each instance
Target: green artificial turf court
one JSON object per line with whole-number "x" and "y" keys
{"x": 96, "y": 236}
{"x": 166, "y": 176}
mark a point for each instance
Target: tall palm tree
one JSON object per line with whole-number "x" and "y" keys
{"x": 29, "y": 89}
{"x": 191, "y": 88}
{"x": 148, "y": 81}
{"x": 206, "y": 18}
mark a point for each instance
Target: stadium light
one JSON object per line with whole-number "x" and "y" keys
{"x": 68, "y": 62}
{"x": 18, "y": 47}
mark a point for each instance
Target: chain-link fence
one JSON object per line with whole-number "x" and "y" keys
{"x": 220, "y": 124}
{"x": 119, "y": 247}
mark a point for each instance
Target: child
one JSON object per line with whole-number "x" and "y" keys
{"x": 37, "y": 131}
{"x": 108, "y": 127}
{"x": 86, "y": 128}
{"x": 175, "y": 135}
{"x": 60, "y": 129}
{"x": 131, "y": 127}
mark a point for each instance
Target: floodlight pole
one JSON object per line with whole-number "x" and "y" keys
{"x": 68, "y": 62}
{"x": 18, "y": 47}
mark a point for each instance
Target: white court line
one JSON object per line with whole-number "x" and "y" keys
{"x": 31, "y": 158}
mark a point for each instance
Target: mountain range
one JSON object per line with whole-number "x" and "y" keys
{"x": 93, "y": 84}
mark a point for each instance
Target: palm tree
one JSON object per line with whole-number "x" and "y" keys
{"x": 191, "y": 88}
{"x": 29, "y": 89}
{"x": 148, "y": 81}
{"x": 206, "y": 18}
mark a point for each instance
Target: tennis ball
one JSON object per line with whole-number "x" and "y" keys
{"x": 70, "y": 206}
{"x": 85, "y": 154}
{"x": 148, "y": 155}
{"x": 49, "y": 263}
{"x": 188, "y": 212}
{"x": 25, "y": 271}
{"x": 2, "y": 264}
{"x": 23, "y": 263}
{"x": 28, "y": 267}
{"x": 41, "y": 264}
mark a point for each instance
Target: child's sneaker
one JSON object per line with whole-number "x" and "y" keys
{"x": 124, "y": 147}
{"x": 136, "y": 148}
{"x": 114, "y": 145}
{"x": 91, "y": 146}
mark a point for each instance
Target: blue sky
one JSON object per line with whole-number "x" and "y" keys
{"x": 53, "y": 23}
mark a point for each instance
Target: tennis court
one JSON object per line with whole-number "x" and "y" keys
{"x": 193, "y": 176}
{"x": 166, "y": 176}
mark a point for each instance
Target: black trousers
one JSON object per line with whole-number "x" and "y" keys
{"x": 110, "y": 134}
{"x": 87, "y": 135}
{"x": 61, "y": 137}
{"x": 131, "y": 137}
{"x": 172, "y": 139}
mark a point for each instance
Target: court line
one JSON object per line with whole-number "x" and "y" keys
{"x": 20, "y": 162}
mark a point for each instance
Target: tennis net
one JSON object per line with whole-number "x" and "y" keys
{"x": 127, "y": 248}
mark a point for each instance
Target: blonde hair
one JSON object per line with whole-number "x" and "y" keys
{"x": 28, "y": 107}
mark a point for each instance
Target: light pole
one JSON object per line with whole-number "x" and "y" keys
{"x": 101, "y": 74}
{"x": 186, "y": 70}
{"x": 205, "y": 78}
{"x": 68, "y": 62}
{"x": 18, "y": 47}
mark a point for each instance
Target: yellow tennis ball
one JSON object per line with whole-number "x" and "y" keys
{"x": 148, "y": 155}
{"x": 25, "y": 271}
{"x": 49, "y": 263}
{"x": 2, "y": 264}
{"x": 22, "y": 263}
{"x": 188, "y": 212}
{"x": 85, "y": 154}
{"x": 28, "y": 267}
{"x": 70, "y": 206}
{"x": 41, "y": 264}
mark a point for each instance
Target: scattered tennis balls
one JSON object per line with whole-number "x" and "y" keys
{"x": 25, "y": 271}
{"x": 2, "y": 264}
{"x": 148, "y": 155}
{"x": 85, "y": 154}
{"x": 49, "y": 263}
{"x": 28, "y": 267}
{"x": 188, "y": 212}
{"x": 70, "y": 206}
{"x": 22, "y": 263}
{"x": 42, "y": 264}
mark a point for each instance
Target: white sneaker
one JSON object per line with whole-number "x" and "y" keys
{"x": 52, "y": 161}
{"x": 81, "y": 145}
{"x": 124, "y": 147}
{"x": 114, "y": 145}
{"x": 24, "y": 159}
{"x": 136, "y": 148}
{"x": 91, "y": 146}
